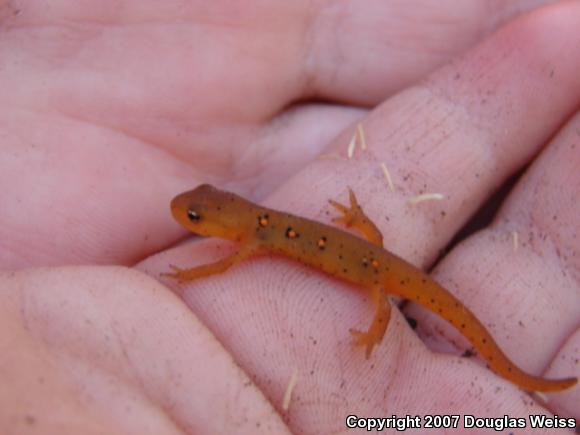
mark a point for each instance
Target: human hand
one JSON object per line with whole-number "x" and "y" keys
{"x": 105, "y": 339}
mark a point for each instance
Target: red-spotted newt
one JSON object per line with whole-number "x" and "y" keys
{"x": 208, "y": 211}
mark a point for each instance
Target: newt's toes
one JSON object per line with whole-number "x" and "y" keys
{"x": 364, "y": 339}
{"x": 176, "y": 273}
{"x": 349, "y": 215}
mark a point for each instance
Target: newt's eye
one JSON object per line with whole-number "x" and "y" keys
{"x": 193, "y": 215}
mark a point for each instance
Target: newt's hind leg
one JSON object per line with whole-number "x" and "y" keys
{"x": 356, "y": 218}
{"x": 379, "y": 325}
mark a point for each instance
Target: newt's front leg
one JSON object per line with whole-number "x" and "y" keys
{"x": 184, "y": 275}
{"x": 355, "y": 217}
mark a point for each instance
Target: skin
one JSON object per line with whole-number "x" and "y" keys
{"x": 108, "y": 111}
{"x": 208, "y": 211}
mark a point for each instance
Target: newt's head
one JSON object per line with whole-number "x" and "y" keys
{"x": 208, "y": 211}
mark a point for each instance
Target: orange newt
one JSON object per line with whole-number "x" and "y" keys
{"x": 212, "y": 212}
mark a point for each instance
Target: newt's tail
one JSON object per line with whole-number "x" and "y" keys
{"x": 431, "y": 295}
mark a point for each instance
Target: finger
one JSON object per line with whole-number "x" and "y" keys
{"x": 384, "y": 47}
{"x": 520, "y": 274}
{"x": 94, "y": 343}
{"x": 284, "y": 48}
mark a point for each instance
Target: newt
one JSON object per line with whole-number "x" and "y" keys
{"x": 208, "y": 211}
